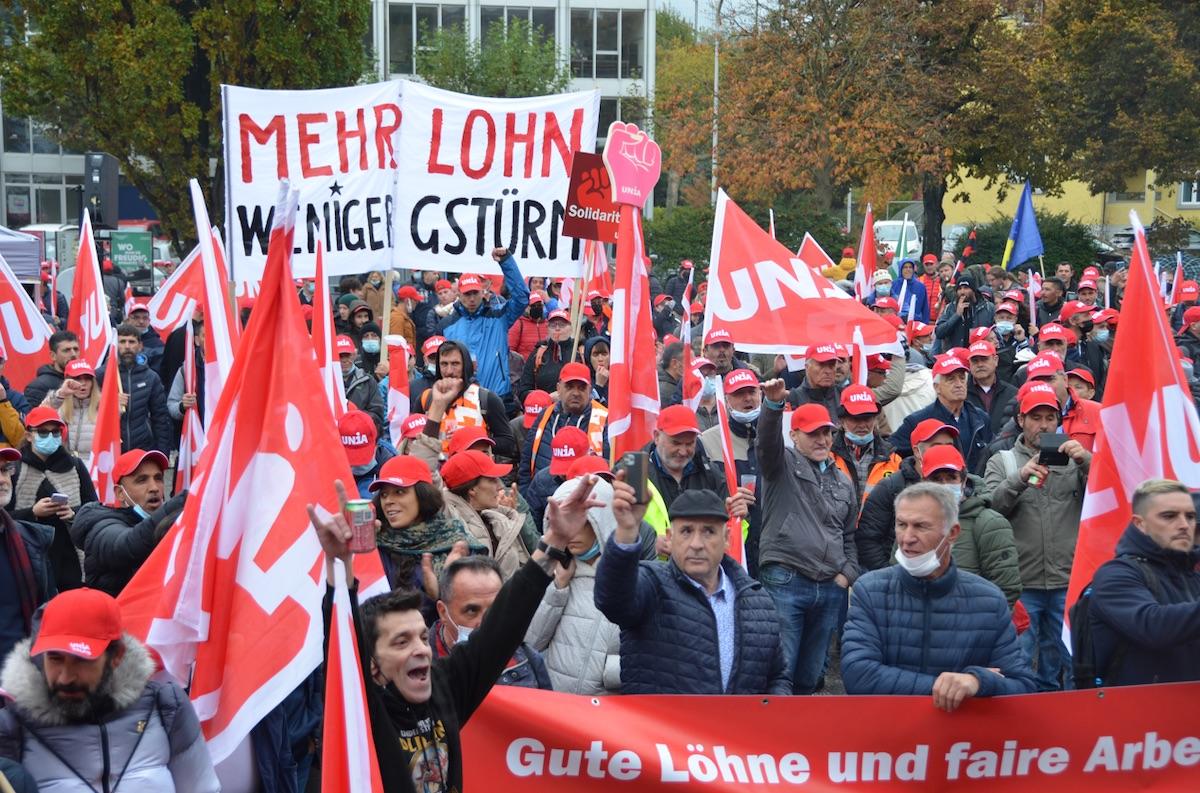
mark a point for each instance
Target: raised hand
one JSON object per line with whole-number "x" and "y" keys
{"x": 565, "y": 518}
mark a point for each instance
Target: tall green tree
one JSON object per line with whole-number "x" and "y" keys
{"x": 141, "y": 80}
{"x": 513, "y": 60}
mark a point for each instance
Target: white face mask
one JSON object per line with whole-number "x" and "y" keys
{"x": 745, "y": 417}
{"x": 923, "y": 565}
{"x": 464, "y": 633}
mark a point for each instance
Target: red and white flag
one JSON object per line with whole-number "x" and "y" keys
{"x": 811, "y": 253}
{"x": 53, "y": 290}
{"x": 398, "y": 402}
{"x": 771, "y": 226}
{"x": 737, "y": 546}
{"x": 633, "y": 383}
{"x": 231, "y": 597}
{"x": 89, "y": 309}
{"x": 322, "y": 338}
{"x": 129, "y": 300}
{"x": 172, "y": 305}
{"x": 1177, "y": 282}
{"x": 1150, "y": 428}
{"x": 595, "y": 269}
{"x": 191, "y": 441}
{"x": 221, "y": 326}
{"x": 692, "y": 383}
{"x": 24, "y": 333}
{"x": 106, "y": 437}
{"x": 868, "y": 258}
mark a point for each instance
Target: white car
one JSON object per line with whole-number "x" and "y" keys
{"x": 887, "y": 232}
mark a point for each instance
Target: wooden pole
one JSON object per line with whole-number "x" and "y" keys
{"x": 386, "y": 321}
{"x": 1042, "y": 265}
{"x": 577, "y": 296}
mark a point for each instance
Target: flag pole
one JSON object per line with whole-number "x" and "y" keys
{"x": 386, "y": 323}
{"x": 577, "y": 300}
{"x": 1042, "y": 265}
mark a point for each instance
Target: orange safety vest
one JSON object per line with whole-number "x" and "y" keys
{"x": 465, "y": 412}
{"x": 595, "y": 432}
{"x": 879, "y": 471}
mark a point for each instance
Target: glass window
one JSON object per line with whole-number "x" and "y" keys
{"x": 400, "y": 39}
{"x": 454, "y": 16}
{"x": 47, "y": 178}
{"x": 49, "y": 205}
{"x": 517, "y": 14}
{"x": 607, "y": 42}
{"x": 427, "y": 21}
{"x": 42, "y": 142}
{"x": 17, "y": 209}
{"x": 16, "y": 135}
{"x": 581, "y": 42}
{"x": 544, "y": 19}
{"x": 608, "y": 114}
{"x": 1189, "y": 193}
{"x": 489, "y": 16}
{"x": 633, "y": 42}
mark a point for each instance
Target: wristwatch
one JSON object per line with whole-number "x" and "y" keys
{"x": 561, "y": 555}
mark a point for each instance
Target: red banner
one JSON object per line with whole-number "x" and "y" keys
{"x": 1137, "y": 738}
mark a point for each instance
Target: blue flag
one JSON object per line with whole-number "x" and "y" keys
{"x": 1024, "y": 240}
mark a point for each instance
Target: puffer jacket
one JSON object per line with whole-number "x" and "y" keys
{"x": 1045, "y": 520}
{"x": 875, "y": 537}
{"x": 116, "y": 541}
{"x": 986, "y": 546}
{"x": 150, "y": 740}
{"x": 543, "y": 374}
{"x": 581, "y": 647}
{"x": 525, "y": 334}
{"x": 669, "y": 639}
{"x": 363, "y": 391}
{"x": 973, "y": 425}
{"x": 145, "y": 424}
{"x": 1161, "y": 632}
{"x": 485, "y": 331}
{"x": 499, "y": 529}
{"x": 48, "y": 379}
{"x": 80, "y": 428}
{"x": 953, "y": 329}
{"x": 903, "y": 632}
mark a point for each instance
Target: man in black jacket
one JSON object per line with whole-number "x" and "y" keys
{"x": 145, "y": 422}
{"x": 985, "y": 390}
{"x": 418, "y": 705}
{"x": 677, "y": 461}
{"x": 64, "y": 348}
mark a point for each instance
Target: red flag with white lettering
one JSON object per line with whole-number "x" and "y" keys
{"x": 398, "y": 403}
{"x": 692, "y": 383}
{"x": 1149, "y": 424}
{"x": 868, "y": 253}
{"x": 221, "y": 325}
{"x": 322, "y": 339}
{"x": 811, "y": 253}
{"x": 772, "y": 301}
{"x": 172, "y": 305}
{"x": 231, "y": 597}
{"x": 23, "y": 330}
{"x": 89, "y": 309}
{"x": 633, "y": 383}
{"x": 106, "y": 437}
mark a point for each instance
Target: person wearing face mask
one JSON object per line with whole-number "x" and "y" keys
{"x": 361, "y": 389}
{"x": 881, "y": 282}
{"x": 400, "y": 321}
{"x": 924, "y": 626}
{"x": 666, "y": 321}
{"x": 1083, "y": 350}
{"x": 116, "y": 540}
{"x": 986, "y": 546}
{"x": 425, "y": 375}
{"x": 372, "y": 291}
{"x": 370, "y": 345}
{"x": 865, "y": 458}
{"x": 530, "y": 328}
{"x": 1043, "y": 504}
{"x": 808, "y": 558}
{"x": 548, "y": 356}
{"x": 26, "y": 574}
{"x": 466, "y": 590}
{"x": 47, "y": 468}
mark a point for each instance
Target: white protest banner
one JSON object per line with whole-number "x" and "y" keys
{"x": 337, "y": 147}
{"x": 481, "y": 173}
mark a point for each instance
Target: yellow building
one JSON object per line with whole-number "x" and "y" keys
{"x": 1107, "y": 212}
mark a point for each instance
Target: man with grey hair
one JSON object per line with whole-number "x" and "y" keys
{"x": 922, "y": 626}
{"x": 952, "y": 408}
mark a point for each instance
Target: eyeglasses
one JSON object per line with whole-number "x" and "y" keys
{"x": 44, "y": 433}
{"x": 7, "y": 470}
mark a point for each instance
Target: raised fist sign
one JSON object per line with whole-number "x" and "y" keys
{"x": 634, "y": 163}
{"x": 593, "y": 183}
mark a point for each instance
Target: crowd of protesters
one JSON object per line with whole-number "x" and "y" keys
{"x": 913, "y": 535}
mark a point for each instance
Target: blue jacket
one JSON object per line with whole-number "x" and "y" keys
{"x": 1163, "y": 635}
{"x": 911, "y": 287}
{"x": 974, "y": 430}
{"x": 18, "y": 400}
{"x": 903, "y": 632}
{"x": 485, "y": 332}
{"x": 669, "y": 634}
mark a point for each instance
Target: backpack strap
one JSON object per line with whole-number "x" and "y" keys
{"x": 1123, "y": 644}
{"x": 1008, "y": 459}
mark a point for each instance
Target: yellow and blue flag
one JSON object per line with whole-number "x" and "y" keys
{"x": 1024, "y": 240}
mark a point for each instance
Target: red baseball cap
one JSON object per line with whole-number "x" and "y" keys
{"x": 858, "y": 400}
{"x": 131, "y": 460}
{"x": 306, "y": 311}
{"x": 1038, "y": 395}
{"x": 979, "y": 334}
{"x": 1043, "y": 365}
{"x": 465, "y": 466}
{"x": 1052, "y": 331}
{"x": 916, "y": 329}
{"x": 1111, "y": 315}
{"x": 1189, "y": 290}
{"x": 893, "y": 320}
{"x": 535, "y": 402}
{"x": 559, "y": 313}
{"x": 569, "y": 444}
{"x": 466, "y": 437}
{"x": 678, "y": 420}
{"x": 575, "y": 372}
{"x": 699, "y": 362}
{"x": 878, "y": 363}
{"x": 697, "y": 307}
{"x": 948, "y": 363}
{"x": 1083, "y": 374}
{"x": 1191, "y": 316}
{"x": 1071, "y": 308}
{"x": 981, "y": 349}
{"x": 432, "y": 345}
{"x": 409, "y": 292}
{"x": 589, "y": 464}
{"x": 9, "y": 455}
{"x": 79, "y": 622}
{"x": 413, "y": 426}
{"x": 359, "y": 435}
{"x": 823, "y": 353}
{"x": 942, "y": 457}
{"x": 928, "y": 428}
{"x": 138, "y": 305}
{"x": 738, "y": 379}
{"x": 469, "y": 283}
{"x": 403, "y": 470}
{"x": 344, "y": 345}
{"x": 887, "y": 302}
{"x": 847, "y": 251}
{"x": 1087, "y": 283}
{"x": 79, "y": 368}
{"x": 536, "y": 298}
{"x": 686, "y": 264}
{"x": 929, "y": 258}
{"x": 1091, "y": 270}
{"x": 718, "y": 336}
{"x": 669, "y": 339}
{"x": 442, "y": 284}
{"x": 811, "y": 417}
{"x": 1008, "y": 307}
{"x": 43, "y": 414}
{"x": 1016, "y": 295}
{"x": 664, "y": 297}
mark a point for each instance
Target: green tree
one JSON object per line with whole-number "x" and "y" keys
{"x": 513, "y": 61}
{"x": 142, "y": 80}
{"x": 1065, "y": 240}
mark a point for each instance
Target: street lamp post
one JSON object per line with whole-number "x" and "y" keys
{"x": 716, "y": 92}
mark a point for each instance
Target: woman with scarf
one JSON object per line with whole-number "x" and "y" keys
{"x": 77, "y": 401}
{"x": 475, "y": 495}
{"x": 595, "y": 355}
{"x": 910, "y": 293}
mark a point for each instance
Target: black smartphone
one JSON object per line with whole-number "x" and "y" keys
{"x": 636, "y": 466}
{"x": 1048, "y": 453}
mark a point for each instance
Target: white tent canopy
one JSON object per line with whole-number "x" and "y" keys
{"x": 22, "y": 252}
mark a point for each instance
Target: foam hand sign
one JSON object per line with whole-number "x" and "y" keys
{"x": 634, "y": 163}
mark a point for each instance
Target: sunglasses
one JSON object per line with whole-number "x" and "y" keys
{"x": 44, "y": 433}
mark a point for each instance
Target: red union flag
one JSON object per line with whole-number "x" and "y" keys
{"x": 632, "y": 383}
{"x": 811, "y": 253}
{"x": 1150, "y": 427}
{"x": 867, "y": 258}
{"x": 191, "y": 441}
{"x": 322, "y": 339}
{"x": 23, "y": 330}
{"x": 106, "y": 438}
{"x": 231, "y": 597}
{"x": 89, "y": 309}
{"x": 772, "y": 301}
{"x": 398, "y": 402}
{"x": 173, "y": 303}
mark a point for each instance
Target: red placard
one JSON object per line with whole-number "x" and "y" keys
{"x": 590, "y": 212}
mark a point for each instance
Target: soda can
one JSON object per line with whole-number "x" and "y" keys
{"x": 360, "y": 514}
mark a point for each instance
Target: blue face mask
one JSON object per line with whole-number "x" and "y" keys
{"x": 860, "y": 440}
{"x": 371, "y": 346}
{"x": 48, "y": 445}
{"x": 1101, "y": 336}
{"x": 883, "y": 290}
{"x": 137, "y": 508}
{"x": 1004, "y": 328}
{"x": 590, "y": 553}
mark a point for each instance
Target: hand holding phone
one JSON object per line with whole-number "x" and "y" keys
{"x": 636, "y": 466}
